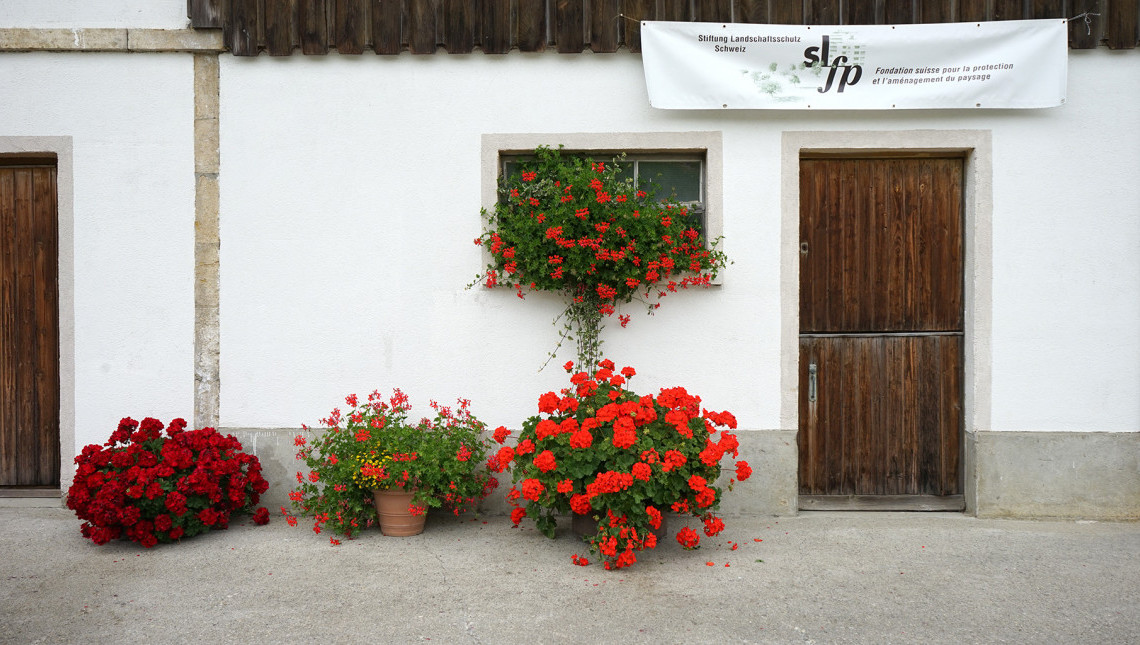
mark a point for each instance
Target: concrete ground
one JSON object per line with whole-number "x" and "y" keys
{"x": 816, "y": 577}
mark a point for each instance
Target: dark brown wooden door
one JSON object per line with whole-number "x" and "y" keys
{"x": 29, "y": 329}
{"x": 881, "y": 325}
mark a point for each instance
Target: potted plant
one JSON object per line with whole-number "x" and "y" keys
{"x": 150, "y": 488}
{"x": 578, "y": 227}
{"x": 373, "y": 452}
{"x": 599, "y": 449}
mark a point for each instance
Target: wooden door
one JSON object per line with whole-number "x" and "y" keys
{"x": 29, "y": 329}
{"x": 881, "y": 331}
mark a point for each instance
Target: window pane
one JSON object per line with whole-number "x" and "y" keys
{"x": 679, "y": 180}
{"x": 511, "y": 167}
{"x": 624, "y": 167}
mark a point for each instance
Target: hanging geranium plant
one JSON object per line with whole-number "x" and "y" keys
{"x": 568, "y": 224}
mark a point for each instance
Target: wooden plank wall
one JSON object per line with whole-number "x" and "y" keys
{"x": 280, "y": 27}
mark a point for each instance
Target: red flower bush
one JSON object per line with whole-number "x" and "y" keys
{"x": 602, "y": 450}
{"x": 151, "y": 488}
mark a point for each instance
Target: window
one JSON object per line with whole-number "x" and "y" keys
{"x": 675, "y": 177}
{"x": 687, "y": 162}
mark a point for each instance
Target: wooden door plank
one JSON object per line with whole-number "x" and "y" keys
{"x": 9, "y": 341}
{"x": 459, "y": 26}
{"x": 312, "y": 26}
{"x": 973, "y": 10}
{"x": 350, "y": 26}
{"x": 827, "y": 402}
{"x": 928, "y": 428}
{"x": 806, "y": 439}
{"x": 496, "y": 31}
{"x": 951, "y": 243}
{"x": 835, "y": 421}
{"x": 850, "y": 218}
{"x": 422, "y": 17}
{"x": 922, "y": 220}
{"x": 532, "y": 25}
{"x": 950, "y": 414}
{"x": 896, "y": 267}
{"x": 205, "y": 14}
{"x": 569, "y": 16}
{"x": 45, "y": 383}
{"x": 878, "y": 438}
{"x": 878, "y": 243}
{"x": 635, "y": 11}
{"x": 856, "y": 409}
{"x": 386, "y": 17}
{"x": 605, "y": 25}
{"x": 813, "y": 246}
{"x": 280, "y": 27}
{"x": 902, "y": 418}
{"x": 27, "y": 440}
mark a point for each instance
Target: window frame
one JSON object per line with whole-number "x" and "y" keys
{"x": 636, "y": 158}
{"x": 662, "y": 146}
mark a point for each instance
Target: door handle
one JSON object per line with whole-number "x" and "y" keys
{"x": 812, "y": 384}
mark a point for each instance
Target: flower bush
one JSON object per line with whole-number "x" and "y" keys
{"x": 151, "y": 488}
{"x": 373, "y": 446}
{"x": 577, "y": 227}
{"x": 600, "y": 449}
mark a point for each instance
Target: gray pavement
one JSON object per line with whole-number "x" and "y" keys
{"x": 816, "y": 577}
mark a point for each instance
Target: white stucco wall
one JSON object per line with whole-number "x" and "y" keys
{"x": 154, "y": 14}
{"x": 350, "y": 196}
{"x": 130, "y": 118}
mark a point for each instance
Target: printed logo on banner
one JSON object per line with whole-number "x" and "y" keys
{"x": 840, "y": 54}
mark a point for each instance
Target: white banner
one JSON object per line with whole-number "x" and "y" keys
{"x": 1004, "y": 64}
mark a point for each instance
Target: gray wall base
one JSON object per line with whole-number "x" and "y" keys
{"x": 1089, "y": 475}
{"x": 770, "y": 491}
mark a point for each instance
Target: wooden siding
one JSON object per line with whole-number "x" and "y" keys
{"x": 29, "y": 329}
{"x": 280, "y": 27}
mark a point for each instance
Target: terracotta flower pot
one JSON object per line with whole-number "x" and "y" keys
{"x": 395, "y": 518}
